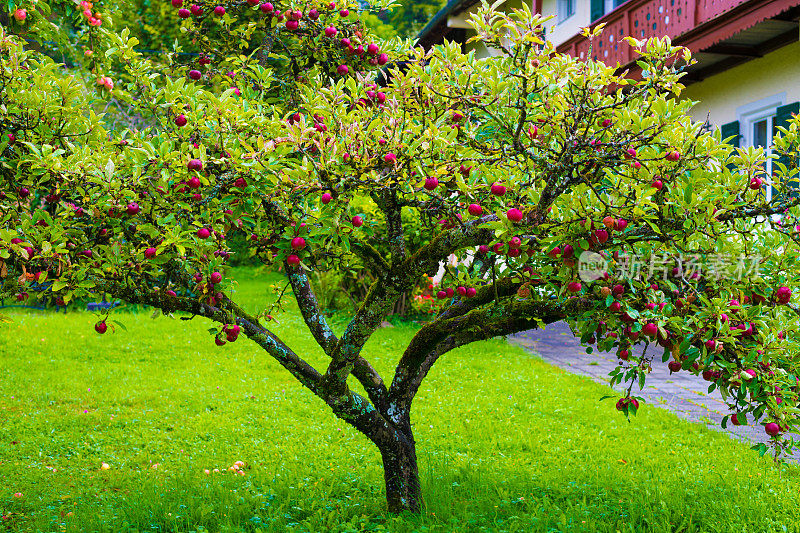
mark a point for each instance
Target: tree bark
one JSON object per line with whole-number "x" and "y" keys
{"x": 403, "y": 491}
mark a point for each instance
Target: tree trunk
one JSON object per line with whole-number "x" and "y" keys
{"x": 403, "y": 492}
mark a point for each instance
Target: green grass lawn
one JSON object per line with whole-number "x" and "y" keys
{"x": 505, "y": 441}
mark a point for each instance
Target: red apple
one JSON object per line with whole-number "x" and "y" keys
{"x": 497, "y": 189}
{"x": 783, "y": 295}
{"x": 574, "y": 286}
{"x": 298, "y": 243}
{"x": 231, "y": 332}
{"x": 293, "y": 260}
{"x": 101, "y": 327}
{"x": 514, "y": 214}
{"x": 357, "y": 221}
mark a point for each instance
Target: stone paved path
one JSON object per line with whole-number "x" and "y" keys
{"x": 681, "y": 393}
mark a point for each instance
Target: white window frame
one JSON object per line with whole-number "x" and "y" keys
{"x": 748, "y": 115}
{"x": 611, "y": 5}
{"x": 561, "y": 9}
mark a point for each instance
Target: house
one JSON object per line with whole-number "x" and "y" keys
{"x": 747, "y": 76}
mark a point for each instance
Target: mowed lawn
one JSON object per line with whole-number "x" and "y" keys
{"x": 505, "y": 441}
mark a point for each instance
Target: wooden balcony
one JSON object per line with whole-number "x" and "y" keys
{"x": 721, "y": 33}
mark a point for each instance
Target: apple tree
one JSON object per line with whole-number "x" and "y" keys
{"x": 548, "y": 177}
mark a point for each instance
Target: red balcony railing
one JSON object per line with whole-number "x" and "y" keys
{"x": 675, "y": 18}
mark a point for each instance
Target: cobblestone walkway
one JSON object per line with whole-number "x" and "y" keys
{"x": 682, "y": 393}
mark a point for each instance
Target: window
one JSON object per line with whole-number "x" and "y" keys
{"x": 566, "y": 8}
{"x": 598, "y": 8}
{"x": 611, "y": 5}
{"x": 758, "y": 128}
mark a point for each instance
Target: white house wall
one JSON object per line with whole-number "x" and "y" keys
{"x": 557, "y": 32}
{"x": 721, "y": 95}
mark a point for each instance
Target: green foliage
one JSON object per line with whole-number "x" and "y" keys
{"x": 492, "y": 456}
{"x": 405, "y": 19}
{"x": 330, "y": 293}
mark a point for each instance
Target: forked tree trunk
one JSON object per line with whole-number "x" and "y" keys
{"x": 403, "y": 491}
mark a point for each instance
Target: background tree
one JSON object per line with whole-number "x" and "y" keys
{"x": 403, "y": 19}
{"x": 518, "y": 163}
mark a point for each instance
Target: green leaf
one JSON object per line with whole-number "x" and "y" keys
{"x": 761, "y": 448}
